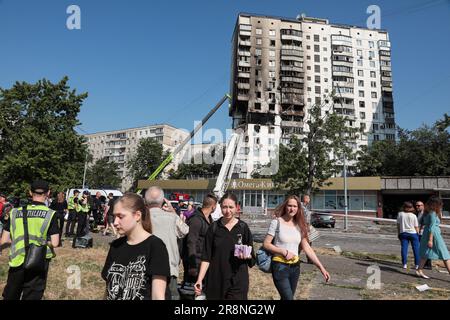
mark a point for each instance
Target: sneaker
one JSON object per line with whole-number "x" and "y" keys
{"x": 416, "y": 267}
{"x": 422, "y": 275}
{"x": 405, "y": 266}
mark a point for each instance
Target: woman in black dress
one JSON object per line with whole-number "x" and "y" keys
{"x": 227, "y": 277}
{"x": 60, "y": 206}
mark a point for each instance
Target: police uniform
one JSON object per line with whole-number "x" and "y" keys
{"x": 82, "y": 216}
{"x": 42, "y": 223}
{"x": 71, "y": 219}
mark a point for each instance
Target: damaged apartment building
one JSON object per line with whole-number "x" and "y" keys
{"x": 281, "y": 67}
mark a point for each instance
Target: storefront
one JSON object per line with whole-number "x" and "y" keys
{"x": 258, "y": 196}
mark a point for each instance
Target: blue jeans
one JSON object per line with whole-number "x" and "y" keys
{"x": 405, "y": 239}
{"x": 285, "y": 277}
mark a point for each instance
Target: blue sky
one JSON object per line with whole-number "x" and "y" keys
{"x": 145, "y": 62}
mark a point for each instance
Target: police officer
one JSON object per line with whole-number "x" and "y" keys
{"x": 72, "y": 205}
{"x": 42, "y": 228}
{"x": 82, "y": 215}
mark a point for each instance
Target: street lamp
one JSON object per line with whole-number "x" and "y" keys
{"x": 345, "y": 193}
{"x": 85, "y": 168}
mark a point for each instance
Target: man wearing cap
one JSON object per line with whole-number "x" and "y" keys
{"x": 72, "y": 205}
{"x": 42, "y": 229}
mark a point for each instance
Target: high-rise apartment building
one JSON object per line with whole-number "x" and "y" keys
{"x": 281, "y": 67}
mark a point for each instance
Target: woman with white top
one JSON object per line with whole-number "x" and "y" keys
{"x": 408, "y": 231}
{"x": 286, "y": 236}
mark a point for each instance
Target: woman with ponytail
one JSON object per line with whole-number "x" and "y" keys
{"x": 137, "y": 265}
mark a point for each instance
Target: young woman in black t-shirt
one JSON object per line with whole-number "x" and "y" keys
{"x": 137, "y": 265}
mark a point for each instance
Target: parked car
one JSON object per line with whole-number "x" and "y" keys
{"x": 322, "y": 219}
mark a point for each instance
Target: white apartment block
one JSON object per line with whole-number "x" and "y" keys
{"x": 120, "y": 145}
{"x": 281, "y": 67}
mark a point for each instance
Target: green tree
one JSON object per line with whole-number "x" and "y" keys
{"x": 147, "y": 158}
{"x": 103, "y": 173}
{"x": 423, "y": 151}
{"x": 305, "y": 163}
{"x": 206, "y": 164}
{"x": 38, "y": 137}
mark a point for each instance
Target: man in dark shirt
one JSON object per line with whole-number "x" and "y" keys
{"x": 29, "y": 284}
{"x": 96, "y": 209}
{"x": 193, "y": 243}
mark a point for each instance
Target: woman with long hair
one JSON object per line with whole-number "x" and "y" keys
{"x": 227, "y": 266}
{"x": 286, "y": 237}
{"x": 432, "y": 245}
{"x": 408, "y": 231}
{"x": 137, "y": 265}
{"x": 60, "y": 206}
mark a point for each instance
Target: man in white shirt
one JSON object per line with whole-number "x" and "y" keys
{"x": 169, "y": 227}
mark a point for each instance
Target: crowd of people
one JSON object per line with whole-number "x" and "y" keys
{"x": 154, "y": 239}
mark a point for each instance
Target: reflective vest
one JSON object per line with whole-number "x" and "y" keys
{"x": 71, "y": 203}
{"x": 83, "y": 208}
{"x": 38, "y": 218}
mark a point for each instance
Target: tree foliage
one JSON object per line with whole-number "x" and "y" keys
{"x": 103, "y": 173}
{"x": 309, "y": 160}
{"x": 147, "y": 158}
{"x": 38, "y": 137}
{"x": 202, "y": 165}
{"x": 421, "y": 152}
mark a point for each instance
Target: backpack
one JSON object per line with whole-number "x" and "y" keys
{"x": 264, "y": 257}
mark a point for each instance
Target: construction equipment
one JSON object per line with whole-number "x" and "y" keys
{"x": 180, "y": 147}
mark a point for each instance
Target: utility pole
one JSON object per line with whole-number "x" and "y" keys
{"x": 345, "y": 193}
{"x": 85, "y": 168}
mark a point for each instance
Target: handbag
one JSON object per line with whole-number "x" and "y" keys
{"x": 313, "y": 234}
{"x": 35, "y": 255}
{"x": 264, "y": 257}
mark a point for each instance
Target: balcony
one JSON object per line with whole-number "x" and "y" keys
{"x": 291, "y": 68}
{"x": 343, "y": 63}
{"x": 387, "y": 79}
{"x": 347, "y": 74}
{"x": 246, "y": 43}
{"x": 292, "y": 79}
{"x": 386, "y": 68}
{"x": 389, "y": 120}
{"x": 245, "y": 33}
{"x": 244, "y": 75}
{"x": 243, "y": 97}
{"x": 297, "y": 100}
{"x": 244, "y": 64}
{"x": 291, "y": 47}
{"x": 291, "y": 58}
{"x": 291, "y": 52}
{"x": 344, "y": 106}
{"x": 385, "y": 58}
{"x": 244, "y": 53}
{"x": 338, "y": 39}
{"x": 291, "y": 37}
{"x": 292, "y": 123}
{"x": 384, "y": 45}
{"x": 244, "y": 86}
{"x": 292, "y": 90}
{"x": 388, "y": 109}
